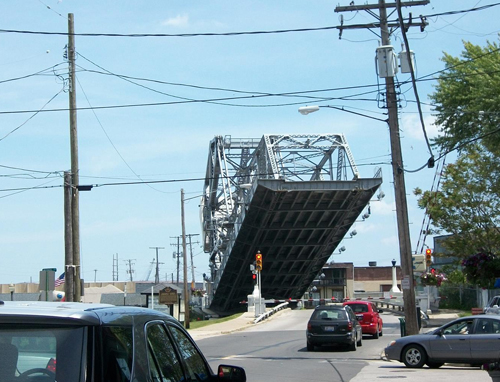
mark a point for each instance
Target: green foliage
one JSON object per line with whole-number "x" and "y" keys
{"x": 201, "y": 324}
{"x": 453, "y": 297}
{"x": 482, "y": 269}
{"x": 467, "y": 98}
{"x": 468, "y": 204}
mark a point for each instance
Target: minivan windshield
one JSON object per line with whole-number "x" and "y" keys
{"x": 41, "y": 354}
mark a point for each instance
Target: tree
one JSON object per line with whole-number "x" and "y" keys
{"x": 467, "y": 110}
{"x": 468, "y": 204}
{"x": 467, "y": 99}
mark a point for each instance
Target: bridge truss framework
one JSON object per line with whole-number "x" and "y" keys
{"x": 293, "y": 197}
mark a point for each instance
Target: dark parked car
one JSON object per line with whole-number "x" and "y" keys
{"x": 333, "y": 324}
{"x": 474, "y": 340}
{"x": 71, "y": 342}
{"x": 368, "y": 316}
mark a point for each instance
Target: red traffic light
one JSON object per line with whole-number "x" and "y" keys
{"x": 254, "y": 278}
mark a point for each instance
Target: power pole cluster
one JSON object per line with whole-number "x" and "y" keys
{"x": 397, "y": 158}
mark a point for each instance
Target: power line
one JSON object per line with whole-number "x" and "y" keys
{"x": 210, "y": 34}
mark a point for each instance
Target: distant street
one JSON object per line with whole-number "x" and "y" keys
{"x": 276, "y": 351}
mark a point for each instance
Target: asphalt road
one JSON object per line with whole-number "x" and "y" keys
{"x": 276, "y": 351}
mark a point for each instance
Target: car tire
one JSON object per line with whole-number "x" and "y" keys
{"x": 360, "y": 341}
{"x": 310, "y": 347}
{"x": 434, "y": 365}
{"x": 381, "y": 332}
{"x": 414, "y": 356}
{"x": 377, "y": 334}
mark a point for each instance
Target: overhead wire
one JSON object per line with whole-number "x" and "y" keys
{"x": 208, "y": 34}
{"x": 109, "y": 139}
{"x": 32, "y": 116}
{"x": 413, "y": 80}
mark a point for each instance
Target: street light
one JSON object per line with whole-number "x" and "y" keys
{"x": 304, "y": 110}
{"x": 12, "y": 288}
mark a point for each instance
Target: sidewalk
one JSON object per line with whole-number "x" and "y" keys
{"x": 395, "y": 370}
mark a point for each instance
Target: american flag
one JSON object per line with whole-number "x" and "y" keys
{"x": 60, "y": 280}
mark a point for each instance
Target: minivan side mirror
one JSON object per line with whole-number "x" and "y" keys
{"x": 231, "y": 373}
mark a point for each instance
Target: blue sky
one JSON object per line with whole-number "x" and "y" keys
{"x": 170, "y": 142}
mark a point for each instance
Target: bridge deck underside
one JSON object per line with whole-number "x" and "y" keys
{"x": 296, "y": 226}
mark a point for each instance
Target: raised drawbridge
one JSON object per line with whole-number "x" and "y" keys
{"x": 291, "y": 197}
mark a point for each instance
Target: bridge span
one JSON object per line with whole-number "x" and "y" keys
{"x": 291, "y": 197}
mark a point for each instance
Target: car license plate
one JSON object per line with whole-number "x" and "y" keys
{"x": 359, "y": 317}
{"x": 329, "y": 328}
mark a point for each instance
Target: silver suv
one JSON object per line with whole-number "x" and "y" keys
{"x": 71, "y": 342}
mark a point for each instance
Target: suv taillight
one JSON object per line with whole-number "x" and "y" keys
{"x": 349, "y": 325}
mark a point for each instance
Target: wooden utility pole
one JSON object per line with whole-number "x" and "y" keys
{"x": 75, "y": 204}
{"x": 69, "y": 283}
{"x": 186, "y": 292}
{"x": 396, "y": 154}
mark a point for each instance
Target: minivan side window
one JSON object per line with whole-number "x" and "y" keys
{"x": 163, "y": 361}
{"x": 117, "y": 353}
{"x": 196, "y": 366}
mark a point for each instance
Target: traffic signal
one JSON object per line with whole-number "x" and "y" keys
{"x": 254, "y": 278}
{"x": 258, "y": 261}
{"x": 428, "y": 257}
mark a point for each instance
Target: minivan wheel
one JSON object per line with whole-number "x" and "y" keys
{"x": 310, "y": 347}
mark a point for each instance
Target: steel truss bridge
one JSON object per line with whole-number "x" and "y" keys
{"x": 291, "y": 197}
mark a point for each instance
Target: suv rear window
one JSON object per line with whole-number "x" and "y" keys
{"x": 329, "y": 314}
{"x": 45, "y": 353}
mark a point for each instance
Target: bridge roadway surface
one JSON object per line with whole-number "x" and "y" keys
{"x": 375, "y": 369}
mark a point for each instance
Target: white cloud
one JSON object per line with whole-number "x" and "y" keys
{"x": 177, "y": 21}
{"x": 412, "y": 127}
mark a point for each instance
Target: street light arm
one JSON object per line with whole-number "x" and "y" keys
{"x": 304, "y": 110}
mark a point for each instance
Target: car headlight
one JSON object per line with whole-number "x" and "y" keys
{"x": 391, "y": 343}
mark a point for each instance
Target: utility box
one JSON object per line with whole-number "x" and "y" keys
{"x": 386, "y": 59}
{"x": 405, "y": 59}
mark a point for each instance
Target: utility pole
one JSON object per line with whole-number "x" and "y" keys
{"x": 191, "y": 253}
{"x": 177, "y": 255}
{"x": 157, "y": 273}
{"x": 130, "y": 271}
{"x": 396, "y": 155}
{"x": 115, "y": 267}
{"x": 186, "y": 292}
{"x": 75, "y": 204}
{"x": 69, "y": 285}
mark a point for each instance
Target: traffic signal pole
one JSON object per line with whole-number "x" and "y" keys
{"x": 408, "y": 286}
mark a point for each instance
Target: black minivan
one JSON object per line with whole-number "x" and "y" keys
{"x": 76, "y": 342}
